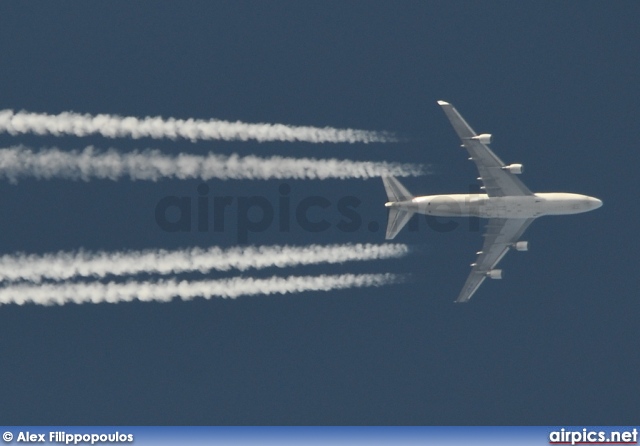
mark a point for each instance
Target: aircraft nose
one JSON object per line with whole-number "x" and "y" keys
{"x": 595, "y": 203}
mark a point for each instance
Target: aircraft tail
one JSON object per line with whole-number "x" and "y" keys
{"x": 395, "y": 190}
{"x": 398, "y": 217}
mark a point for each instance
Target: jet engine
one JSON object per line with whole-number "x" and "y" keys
{"x": 495, "y": 274}
{"x": 516, "y": 169}
{"x": 485, "y": 138}
{"x": 521, "y": 246}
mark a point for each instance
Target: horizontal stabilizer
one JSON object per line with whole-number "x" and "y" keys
{"x": 395, "y": 190}
{"x": 398, "y": 217}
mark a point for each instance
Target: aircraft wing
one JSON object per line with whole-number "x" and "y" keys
{"x": 497, "y": 181}
{"x": 501, "y": 234}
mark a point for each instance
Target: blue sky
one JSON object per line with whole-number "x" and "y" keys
{"x": 555, "y": 342}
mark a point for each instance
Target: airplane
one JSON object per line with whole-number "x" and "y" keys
{"x": 508, "y": 204}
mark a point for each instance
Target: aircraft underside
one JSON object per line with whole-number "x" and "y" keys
{"x": 481, "y": 205}
{"x": 507, "y": 202}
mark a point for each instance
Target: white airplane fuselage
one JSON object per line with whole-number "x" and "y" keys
{"x": 481, "y": 205}
{"x": 506, "y": 201}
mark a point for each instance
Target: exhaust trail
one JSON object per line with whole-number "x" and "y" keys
{"x": 66, "y": 265}
{"x": 113, "y": 126}
{"x": 152, "y": 165}
{"x": 166, "y": 290}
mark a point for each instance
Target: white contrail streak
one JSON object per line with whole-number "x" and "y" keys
{"x": 20, "y": 162}
{"x": 166, "y": 290}
{"x": 66, "y": 265}
{"x": 113, "y": 126}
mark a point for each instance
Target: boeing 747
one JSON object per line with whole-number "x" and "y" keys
{"x": 508, "y": 204}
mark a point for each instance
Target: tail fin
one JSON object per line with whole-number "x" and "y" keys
{"x": 398, "y": 217}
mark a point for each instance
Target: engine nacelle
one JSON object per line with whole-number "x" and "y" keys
{"x": 521, "y": 246}
{"x": 485, "y": 138}
{"x": 516, "y": 169}
{"x": 495, "y": 274}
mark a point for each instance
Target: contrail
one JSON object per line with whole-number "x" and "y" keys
{"x": 66, "y": 265}
{"x": 20, "y": 162}
{"x": 166, "y": 290}
{"x": 113, "y": 126}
